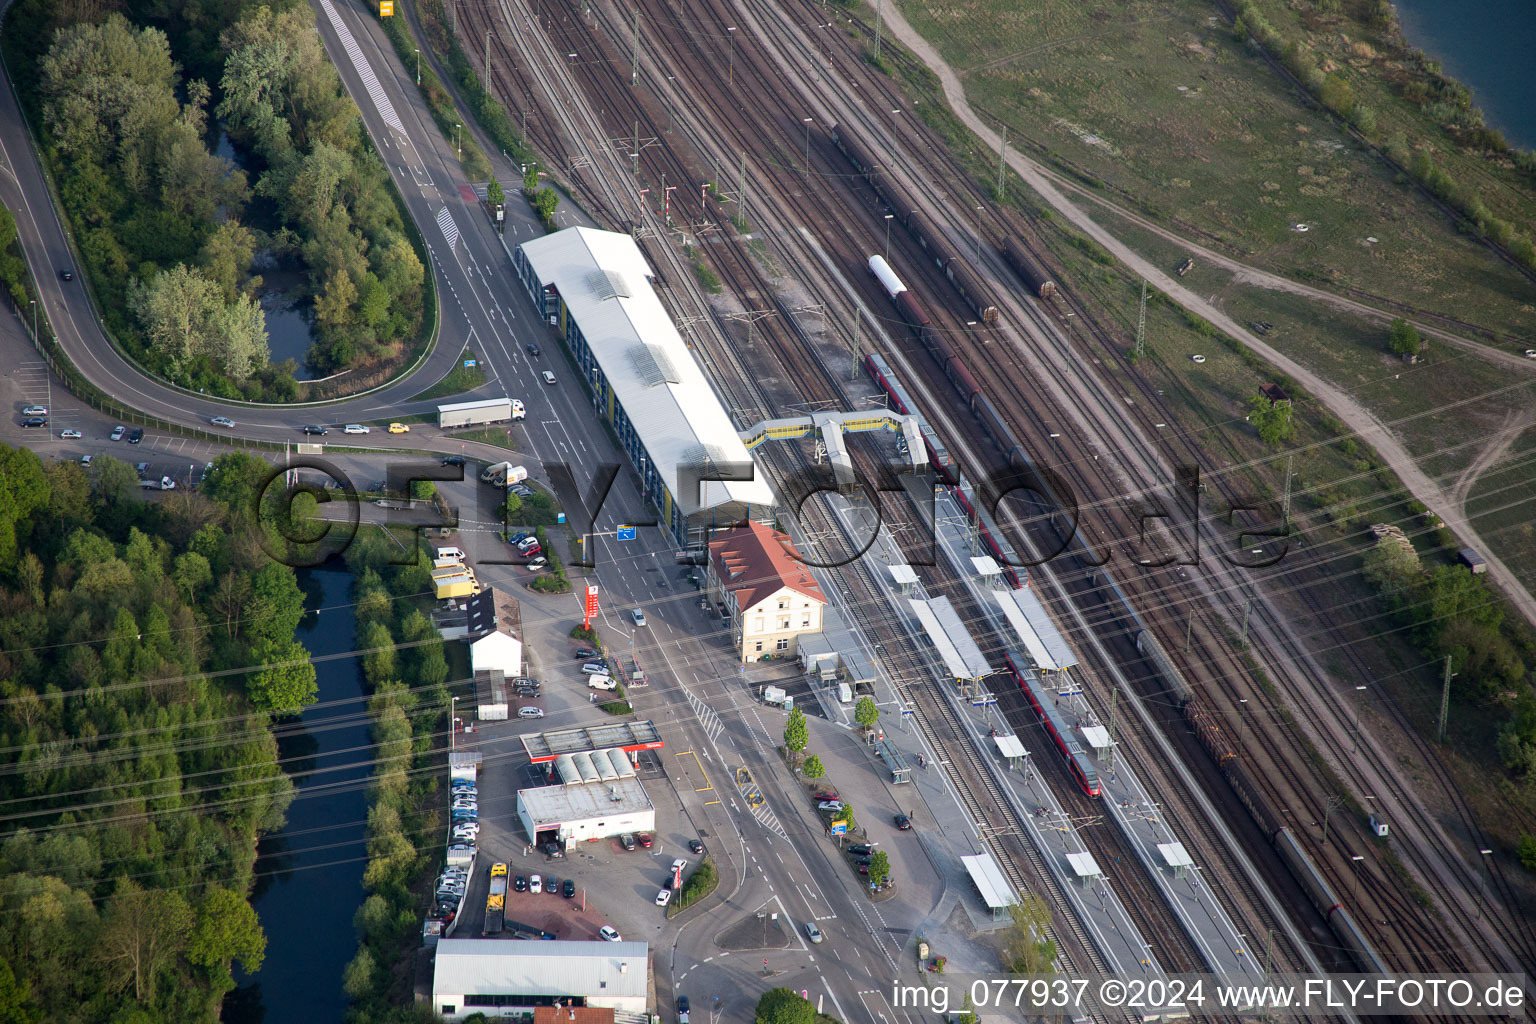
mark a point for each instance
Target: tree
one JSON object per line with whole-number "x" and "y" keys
{"x": 1526, "y": 852}
{"x": 142, "y": 931}
{"x": 276, "y": 604}
{"x": 285, "y": 682}
{"x": 796, "y": 732}
{"x": 1027, "y": 946}
{"x": 191, "y": 573}
{"x": 493, "y": 194}
{"x": 813, "y": 769}
{"x": 226, "y": 257}
{"x": 1273, "y": 420}
{"x": 781, "y": 1006}
{"x": 545, "y": 201}
{"x": 23, "y": 490}
{"x": 15, "y": 998}
{"x": 879, "y": 867}
{"x": 227, "y": 929}
{"x": 866, "y": 713}
{"x": 967, "y": 1014}
{"x": 530, "y": 180}
{"x": 1403, "y": 338}
{"x": 358, "y": 979}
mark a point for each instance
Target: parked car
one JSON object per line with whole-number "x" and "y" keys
{"x": 453, "y": 460}
{"x": 521, "y": 490}
{"x": 318, "y": 431}
{"x": 826, "y": 794}
{"x": 696, "y": 846}
{"x": 585, "y": 652}
{"x": 568, "y": 889}
{"x": 85, "y": 461}
{"x": 222, "y": 421}
{"x": 70, "y": 435}
{"x": 553, "y": 850}
{"x": 356, "y": 428}
{"x": 861, "y": 849}
{"x": 595, "y": 668}
{"x": 682, "y": 1004}
{"x": 527, "y": 549}
{"x": 609, "y": 934}
{"x": 551, "y": 885}
{"x": 34, "y": 421}
{"x": 135, "y": 435}
{"x": 535, "y": 883}
{"x": 903, "y": 822}
{"x": 645, "y": 840}
{"x": 830, "y": 805}
{"x": 399, "y": 428}
{"x": 35, "y": 410}
{"x": 520, "y": 884}
{"x": 812, "y": 932}
{"x": 537, "y": 562}
{"x": 530, "y": 712}
{"x": 664, "y": 897}
{"x": 118, "y": 432}
{"x": 627, "y": 840}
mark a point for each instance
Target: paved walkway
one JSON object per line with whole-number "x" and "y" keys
{"x": 1354, "y": 416}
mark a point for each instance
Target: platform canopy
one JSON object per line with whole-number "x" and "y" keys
{"x": 1029, "y": 619}
{"x": 985, "y": 565}
{"x": 995, "y": 891}
{"x": 1097, "y": 737}
{"x": 1176, "y": 857}
{"x": 1010, "y": 746}
{"x": 902, "y": 574}
{"x": 1084, "y": 867}
{"x": 962, "y": 658}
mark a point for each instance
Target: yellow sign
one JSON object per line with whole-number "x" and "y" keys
{"x": 386, "y": 8}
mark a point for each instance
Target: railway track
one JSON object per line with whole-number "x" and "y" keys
{"x": 784, "y": 149}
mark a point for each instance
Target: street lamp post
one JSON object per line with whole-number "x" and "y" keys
{"x": 807, "y": 121}
{"x": 453, "y": 722}
{"x": 731, "y": 77}
{"x": 888, "y": 235}
{"x": 34, "y": 321}
{"x": 418, "y": 66}
{"x": 1358, "y": 702}
{"x": 1482, "y": 862}
{"x": 458, "y": 144}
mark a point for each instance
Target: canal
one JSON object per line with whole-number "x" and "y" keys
{"x": 309, "y": 875}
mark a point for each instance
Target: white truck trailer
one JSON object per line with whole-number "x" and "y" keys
{"x": 472, "y": 414}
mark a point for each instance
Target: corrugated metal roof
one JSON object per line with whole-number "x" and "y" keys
{"x": 582, "y": 801}
{"x": 602, "y": 277}
{"x": 531, "y": 967}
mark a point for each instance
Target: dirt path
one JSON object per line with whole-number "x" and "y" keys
{"x": 1515, "y": 424}
{"x": 1354, "y": 416}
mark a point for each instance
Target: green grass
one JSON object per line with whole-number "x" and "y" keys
{"x": 1234, "y": 153}
{"x": 458, "y": 381}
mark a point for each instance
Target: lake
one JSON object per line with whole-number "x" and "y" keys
{"x": 309, "y": 876}
{"x": 1487, "y": 45}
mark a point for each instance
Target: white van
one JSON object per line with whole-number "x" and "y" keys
{"x": 844, "y": 693}
{"x": 602, "y": 683}
{"x": 457, "y": 554}
{"x": 355, "y": 428}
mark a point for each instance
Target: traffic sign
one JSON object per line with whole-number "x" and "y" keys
{"x": 626, "y": 532}
{"x": 386, "y": 8}
{"x": 839, "y": 828}
{"x": 469, "y": 364}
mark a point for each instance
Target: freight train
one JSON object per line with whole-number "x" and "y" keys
{"x": 904, "y": 211}
{"x": 1077, "y": 760}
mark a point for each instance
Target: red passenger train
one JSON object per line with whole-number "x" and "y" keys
{"x": 1079, "y": 763}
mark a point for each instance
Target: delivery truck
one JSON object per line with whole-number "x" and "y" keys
{"x": 502, "y": 474}
{"x": 463, "y": 585}
{"x": 473, "y": 414}
{"x": 496, "y": 902}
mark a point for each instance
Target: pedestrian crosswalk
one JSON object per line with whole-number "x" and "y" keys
{"x": 364, "y": 71}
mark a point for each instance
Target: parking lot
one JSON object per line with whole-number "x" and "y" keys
{"x": 614, "y": 887}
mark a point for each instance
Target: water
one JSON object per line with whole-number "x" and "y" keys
{"x": 288, "y": 332}
{"x": 1489, "y": 46}
{"x": 309, "y": 875}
